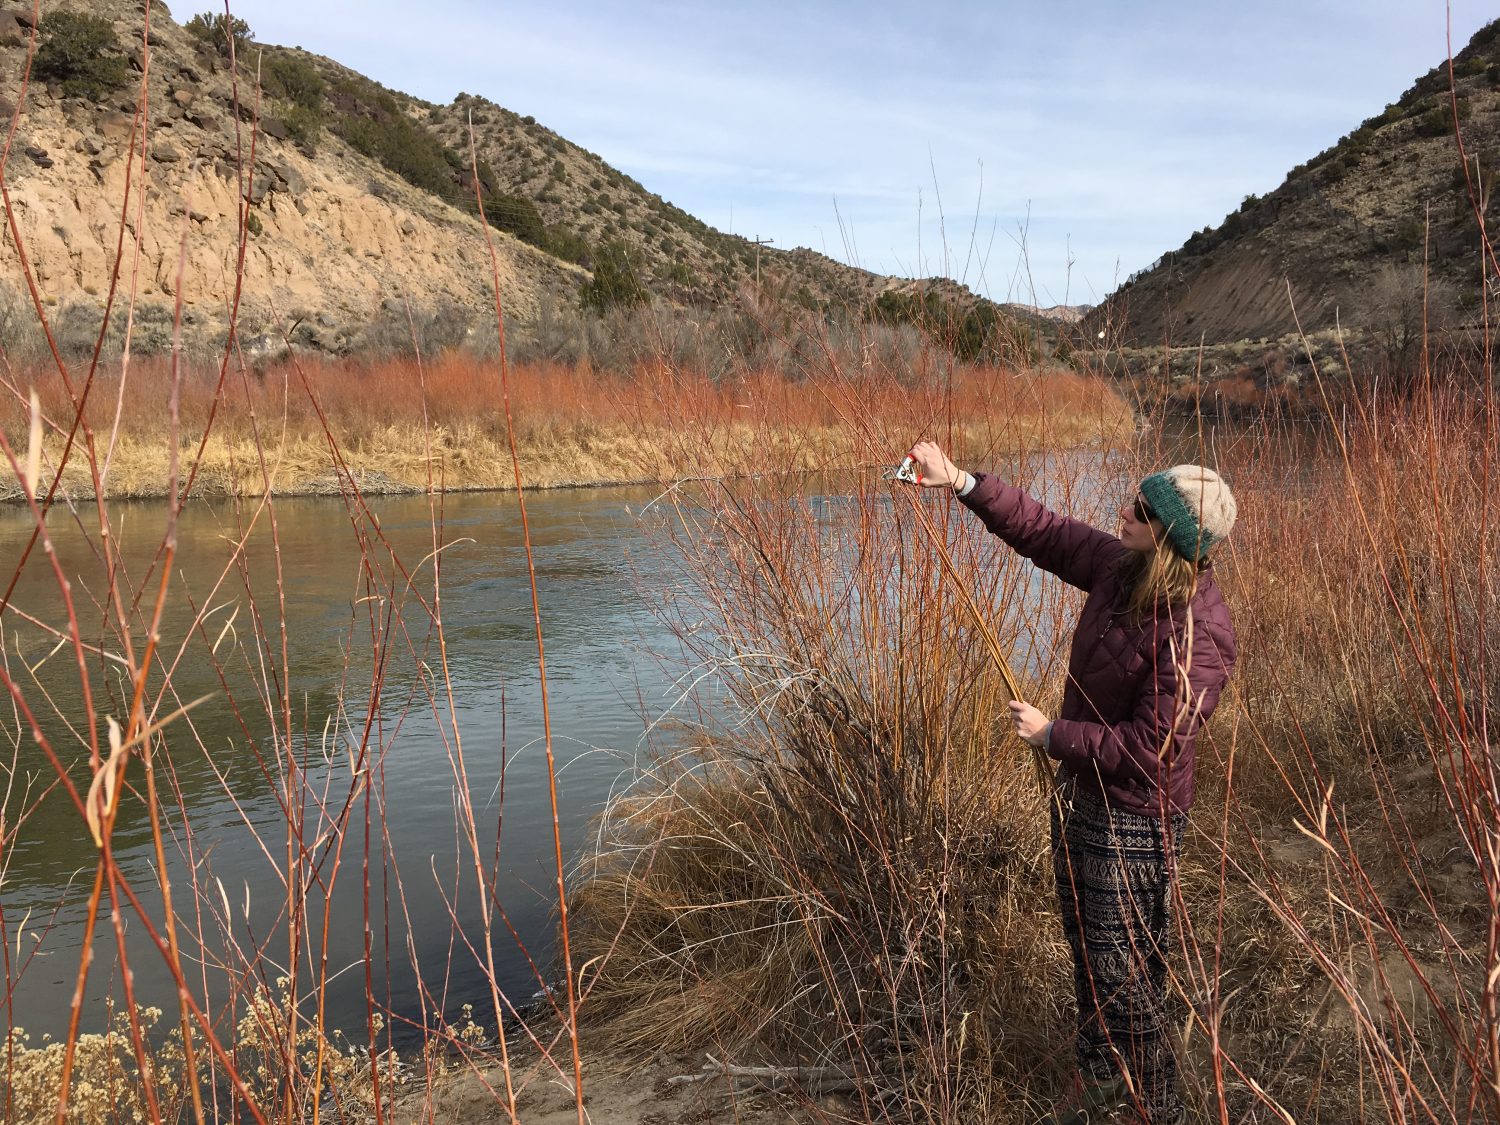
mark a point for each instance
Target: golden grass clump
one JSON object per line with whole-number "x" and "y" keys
{"x": 855, "y": 874}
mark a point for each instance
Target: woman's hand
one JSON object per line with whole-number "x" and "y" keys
{"x": 935, "y": 468}
{"x": 1031, "y": 725}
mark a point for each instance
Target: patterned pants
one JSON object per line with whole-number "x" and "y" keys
{"x": 1114, "y": 876}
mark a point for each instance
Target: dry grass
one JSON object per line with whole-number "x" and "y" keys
{"x": 856, "y": 876}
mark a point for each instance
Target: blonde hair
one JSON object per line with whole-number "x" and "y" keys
{"x": 1158, "y": 575}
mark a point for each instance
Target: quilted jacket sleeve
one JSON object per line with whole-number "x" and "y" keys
{"x": 1190, "y": 668}
{"x": 1070, "y": 549}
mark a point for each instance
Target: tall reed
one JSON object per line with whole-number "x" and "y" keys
{"x": 147, "y": 793}
{"x": 850, "y": 870}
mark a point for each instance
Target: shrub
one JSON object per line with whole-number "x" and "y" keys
{"x": 565, "y": 243}
{"x": 1433, "y": 123}
{"x": 1409, "y": 235}
{"x": 291, "y": 78}
{"x": 81, "y": 52}
{"x": 970, "y": 334}
{"x": 295, "y": 81}
{"x": 382, "y": 132}
{"x": 978, "y": 333}
{"x": 304, "y": 126}
{"x": 614, "y": 282}
{"x": 428, "y": 331}
{"x": 1438, "y": 120}
{"x": 516, "y": 215}
{"x": 1199, "y": 242}
{"x": 220, "y": 32}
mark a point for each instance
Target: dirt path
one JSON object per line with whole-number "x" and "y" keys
{"x": 615, "y": 1093}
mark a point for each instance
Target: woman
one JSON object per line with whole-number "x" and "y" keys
{"x": 1152, "y": 651}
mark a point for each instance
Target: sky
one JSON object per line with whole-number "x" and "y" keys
{"x": 1038, "y": 153}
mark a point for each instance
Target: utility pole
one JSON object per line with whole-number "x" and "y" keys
{"x": 759, "y": 242}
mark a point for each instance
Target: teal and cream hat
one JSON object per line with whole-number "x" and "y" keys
{"x": 1194, "y": 505}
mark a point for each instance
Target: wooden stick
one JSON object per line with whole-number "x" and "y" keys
{"x": 1039, "y": 759}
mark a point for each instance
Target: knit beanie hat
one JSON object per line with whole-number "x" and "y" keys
{"x": 1195, "y": 506}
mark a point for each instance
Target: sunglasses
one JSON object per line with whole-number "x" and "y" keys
{"x": 1143, "y": 511}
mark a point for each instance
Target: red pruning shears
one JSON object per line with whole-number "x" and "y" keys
{"x": 907, "y": 471}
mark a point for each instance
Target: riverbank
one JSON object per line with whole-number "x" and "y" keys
{"x": 408, "y": 460}
{"x": 396, "y": 427}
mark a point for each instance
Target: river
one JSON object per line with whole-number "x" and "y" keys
{"x": 610, "y": 674}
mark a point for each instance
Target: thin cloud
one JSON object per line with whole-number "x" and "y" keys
{"x": 1108, "y": 132}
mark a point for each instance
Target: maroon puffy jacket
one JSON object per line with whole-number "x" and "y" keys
{"x": 1137, "y": 690}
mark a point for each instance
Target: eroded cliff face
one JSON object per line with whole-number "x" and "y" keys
{"x": 332, "y": 240}
{"x": 1251, "y": 291}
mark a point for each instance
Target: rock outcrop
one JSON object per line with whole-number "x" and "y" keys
{"x": 329, "y": 239}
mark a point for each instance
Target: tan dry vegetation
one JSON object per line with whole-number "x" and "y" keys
{"x": 405, "y": 426}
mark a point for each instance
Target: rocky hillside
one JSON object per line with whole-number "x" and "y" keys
{"x": 334, "y": 240}
{"x": 355, "y": 198}
{"x": 1347, "y": 230}
{"x": 673, "y": 252}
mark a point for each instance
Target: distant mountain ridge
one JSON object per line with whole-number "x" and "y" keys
{"x": 1361, "y": 215}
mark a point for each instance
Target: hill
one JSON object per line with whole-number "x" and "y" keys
{"x": 1348, "y": 231}
{"x": 334, "y": 238}
{"x": 357, "y": 201}
{"x": 576, "y": 193}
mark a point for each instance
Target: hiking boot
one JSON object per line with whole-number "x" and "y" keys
{"x": 1091, "y": 1101}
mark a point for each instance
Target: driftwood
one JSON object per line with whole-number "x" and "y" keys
{"x": 813, "y": 1079}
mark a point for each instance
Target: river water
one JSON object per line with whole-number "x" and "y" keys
{"x": 348, "y": 611}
